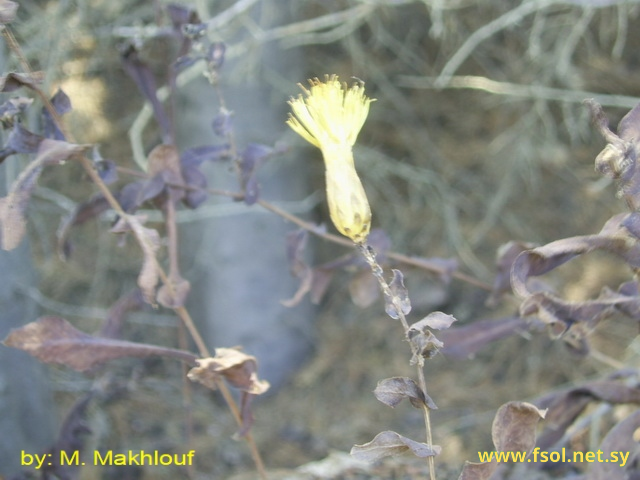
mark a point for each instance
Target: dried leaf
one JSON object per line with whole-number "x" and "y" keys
{"x": 565, "y": 406}
{"x": 149, "y": 241}
{"x": 619, "y": 439}
{"x": 145, "y": 81}
{"x": 205, "y": 153}
{"x": 505, "y": 257}
{"x": 13, "y": 81}
{"x": 235, "y": 366}
{"x": 12, "y": 108}
{"x": 82, "y": 213}
{"x": 112, "y": 327}
{"x": 20, "y": 140}
{"x": 296, "y": 244}
{"x": 466, "y": 341}
{"x": 61, "y": 104}
{"x": 391, "y": 391}
{"x": 424, "y": 343}
{"x": 13, "y": 206}
{"x": 618, "y": 159}
{"x": 55, "y": 340}
{"x": 70, "y": 439}
{"x": 251, "y": 158}
{"x": 514, "y": 427}
{"x": 613, "y": 238}
{"x": 435, "y": 320}
{"x": 390, "y": 443}
{"x": 174, "y": 294}
{"x": 478, "y": 471}
{"x": 164, "y": 163}
{"x": 197, "y": 194}
{"x": 398, "y": 301}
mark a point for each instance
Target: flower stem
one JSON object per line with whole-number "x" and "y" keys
{"x": 369, "y": 254}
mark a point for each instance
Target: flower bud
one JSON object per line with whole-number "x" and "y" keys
{"x": 330, "y": 116}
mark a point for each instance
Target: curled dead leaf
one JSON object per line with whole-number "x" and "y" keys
{"x": 391, "y": 443}
{"x": 13, "y": 207}
{"x": 235, "y": 366}
{"x": 391, "y": 391}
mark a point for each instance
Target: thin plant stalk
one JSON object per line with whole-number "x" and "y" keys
{"x": 370, "y": 256}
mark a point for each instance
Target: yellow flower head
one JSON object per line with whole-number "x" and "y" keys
{"x": 330, "y": 116}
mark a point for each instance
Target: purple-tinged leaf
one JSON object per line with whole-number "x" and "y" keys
{"x": 61, "y": 104}
{"x": 70, "y": 439}
{"x": 397, "y": 301}
{"x": 8, "y": 11}
{"x": 296, "y": 243}
{"x": 620, "y": 439}
{"x": 12, "y": 108}
{"x": 82, "y": 213}
{"x": 466, "y": 341}
{"x": 215, "y": 55}
{"x": 391, "y": 443}
{"x": 566, "y": 405}
{"x": 134, "y": 194}
{"x": 613, "y": 238}
{"x": 209, "y": 153}
{"x": 197, "y": 194}
{"x": 21, "y": 140}
{"x": 181, "y": 15}
{"x": 506, "y": 255}
{"x": 13, "y": 207}
{"x": 223, "y": 123}
{"x": 112, "y": 327}
{"x": 141, "y": 74}
{"x": 107, "y": 169}
{"x": 251, "y": 158}
{"x": 55, "y": 340}
{"x": 391, "y": 391}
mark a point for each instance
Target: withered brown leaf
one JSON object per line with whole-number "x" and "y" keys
{"x": 149, "y": 241}
{"x": 514, "y": 427}
{"x": 619, "y": 439}
{"x": 55, "y": 340}
{"x": 235, "y": 366}
{"x": 424, "y": 343}
{"x": 389, "y": 443}
{"x": 397, "y": 301}
{"x": 391, "y": 391}
{"x": 513, "y": 430}
{"x": 13, "y": 207}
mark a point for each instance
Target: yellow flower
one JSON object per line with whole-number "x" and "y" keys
{"x": 330, "y": 116}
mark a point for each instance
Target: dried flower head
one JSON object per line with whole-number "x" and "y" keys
{"x": 330, "y": 115}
